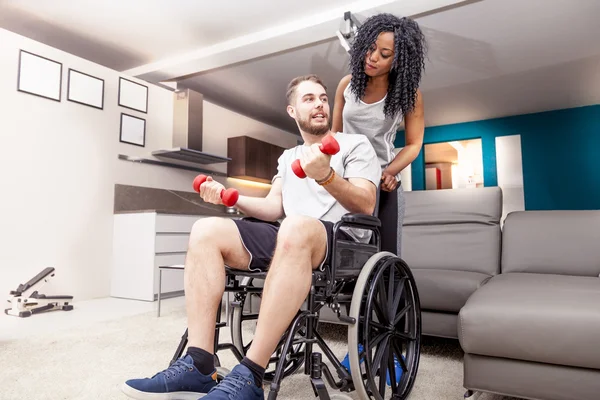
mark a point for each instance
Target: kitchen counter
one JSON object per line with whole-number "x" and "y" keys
{"x": 135, "y": 199}
{"x": 200, "y": 212}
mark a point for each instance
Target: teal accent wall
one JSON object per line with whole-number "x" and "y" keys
{"x": 559, "y": 148}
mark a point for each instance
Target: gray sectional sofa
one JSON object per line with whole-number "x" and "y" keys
{"x": 451, "y": 240}
{"x": 522, "y": 299}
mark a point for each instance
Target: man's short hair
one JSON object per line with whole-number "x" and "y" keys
{"x": 291, "y": 89}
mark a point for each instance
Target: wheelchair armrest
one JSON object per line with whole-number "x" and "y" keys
{"x": 361, "y": 219}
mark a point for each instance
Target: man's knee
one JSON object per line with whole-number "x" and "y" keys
{"x": 300, "y": 232}
{"x": 221, "y": 235}
{"x": 209, "y": 232}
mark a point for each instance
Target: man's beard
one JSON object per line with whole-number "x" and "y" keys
{"x": 306, "y": 124}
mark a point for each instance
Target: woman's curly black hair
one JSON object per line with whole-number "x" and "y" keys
{"x": 407, "y": 67}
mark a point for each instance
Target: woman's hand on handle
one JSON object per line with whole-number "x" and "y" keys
{"x": 388, "y": 182}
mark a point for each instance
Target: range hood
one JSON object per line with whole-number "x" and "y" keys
{"x": 187, "y": 131}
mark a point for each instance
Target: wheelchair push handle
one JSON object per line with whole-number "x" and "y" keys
{"x": 228, "y": 196}
{"x": 328, "y": 146}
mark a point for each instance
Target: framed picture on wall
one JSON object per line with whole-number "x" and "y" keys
{"x": 133, "y": 95}
{"x": 39, "y": 76}
{"x": 133, "y": 130}
{"x": 85, "y": 89}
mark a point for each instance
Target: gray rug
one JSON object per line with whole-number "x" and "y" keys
{"x": 92, "y": 361}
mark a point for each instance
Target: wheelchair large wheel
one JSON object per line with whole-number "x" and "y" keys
{"x": 243, "y": 317}
{"x": 386, "y": 307}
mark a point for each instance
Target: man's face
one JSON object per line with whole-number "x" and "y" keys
{"x": 311, "y": 108}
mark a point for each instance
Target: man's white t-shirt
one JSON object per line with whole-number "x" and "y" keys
{"x": 356, "y": 159}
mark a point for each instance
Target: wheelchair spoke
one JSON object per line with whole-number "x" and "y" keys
{"x": 404, "y": 335}
{"x": 380, "y": 349}
{"x": 392, "y": 368}
{"x": 383, "y": 365}
{"x": 378, "y": 339}
{"x": 383, "y": 298}
{"x": 379, "y": 312}
{"x": 399, "y": 356}
{"x": 378, "y": 326}
{"x": 390, "y": 293}
{"x": 398, "y": 296}
{"x": 401, "y": 314}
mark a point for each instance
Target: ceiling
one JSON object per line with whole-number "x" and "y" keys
{"x": 446, "y": 152}
{"x": 440, "y": 153}
{"x": 487, "y": 58}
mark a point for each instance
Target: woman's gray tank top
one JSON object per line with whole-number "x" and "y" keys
{"x": 370, "y": 120}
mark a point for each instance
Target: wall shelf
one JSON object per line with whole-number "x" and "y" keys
{"x": 150, "y": 161}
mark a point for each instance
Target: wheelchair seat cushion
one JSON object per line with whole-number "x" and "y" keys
{"x": 260, "y": 238}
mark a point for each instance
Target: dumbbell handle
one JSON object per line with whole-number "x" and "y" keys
{"x": 229, "y": 197}
{"x": 328, "y": 146}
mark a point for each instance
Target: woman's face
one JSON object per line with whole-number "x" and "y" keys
{"x": 380, "y": 55}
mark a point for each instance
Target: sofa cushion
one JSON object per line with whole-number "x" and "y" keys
{"x": 426, "y": 207}
{"x": 552, "y": 242}
{"x": 546, "y": 318}
{"x": 453, "y": 229}
{"x": 443, "y": 290}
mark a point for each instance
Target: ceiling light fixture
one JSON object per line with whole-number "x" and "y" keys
{"x": 349, "y": 33}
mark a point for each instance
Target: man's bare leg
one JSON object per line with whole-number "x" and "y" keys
{"x": 301, "y": 247}
{"x": 214, "y": 242}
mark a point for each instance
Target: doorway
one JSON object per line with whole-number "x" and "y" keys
{"x": 454, "y": 165}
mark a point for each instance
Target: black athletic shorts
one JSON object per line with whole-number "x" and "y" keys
{"x": 260, "y": 237}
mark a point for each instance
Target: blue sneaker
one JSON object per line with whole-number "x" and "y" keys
{"x": 181, "y": 381}
{"x": 238, "y": 385}
{"x": 397, "y": 369}
{"x": 346, "y": 360}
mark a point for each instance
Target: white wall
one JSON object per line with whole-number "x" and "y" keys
{"x": 59, "y": 165}
{"x": 509, "y": 166}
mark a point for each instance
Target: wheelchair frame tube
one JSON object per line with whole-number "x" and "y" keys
{"x": 310, "y": 330}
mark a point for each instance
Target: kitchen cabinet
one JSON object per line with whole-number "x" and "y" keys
{"x": 252, "y": 159}
{"x": 143, "y": 241}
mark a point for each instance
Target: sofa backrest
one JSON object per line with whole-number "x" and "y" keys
{"x": 453, "y": 229}
{"x": 552, "y": 242}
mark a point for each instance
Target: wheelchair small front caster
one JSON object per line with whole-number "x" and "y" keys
{"x": 315, "y": 377}
{"x": 471, "y": 395}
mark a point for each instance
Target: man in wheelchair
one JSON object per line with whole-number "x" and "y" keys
{"x": 335, "y": 185}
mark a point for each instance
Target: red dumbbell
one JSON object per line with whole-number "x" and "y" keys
{"x": 328, "y": 146}
{"x": 228, "y": 196}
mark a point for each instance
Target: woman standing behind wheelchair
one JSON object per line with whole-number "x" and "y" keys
{"x": 386, "y": 61}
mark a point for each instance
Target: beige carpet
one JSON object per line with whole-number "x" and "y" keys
{"x": 91, "y": 362}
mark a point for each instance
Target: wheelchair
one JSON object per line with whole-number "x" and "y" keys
{"x": 378, "y": 293}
